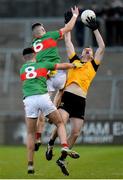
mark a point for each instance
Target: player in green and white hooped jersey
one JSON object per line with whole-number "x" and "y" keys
{"x": 45, "y": 47}
{"x": 45, "y": 43}
{"x": 36, "y": 98}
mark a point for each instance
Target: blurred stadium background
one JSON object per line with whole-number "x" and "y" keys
{"x": 104, "y": 111}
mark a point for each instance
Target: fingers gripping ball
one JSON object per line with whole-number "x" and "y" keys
{"x": 87, "y": 13}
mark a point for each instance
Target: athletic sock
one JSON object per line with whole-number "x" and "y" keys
{"x": 30, "y": 163}
{"x": 38, "y": 135}
{"x": 64, "y": 145}
{"x": 64, "y": 154}
{"x": 51, "y": 142}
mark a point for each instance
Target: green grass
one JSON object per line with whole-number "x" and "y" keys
{"x": 96, "y": 162}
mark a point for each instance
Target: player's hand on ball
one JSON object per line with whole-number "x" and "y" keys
{"x": 91, "y": 23}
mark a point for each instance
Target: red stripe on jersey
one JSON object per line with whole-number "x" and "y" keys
{"x": 23, "y": 76}
{"x": 49, "y": 43}
{"x": 41, "y": 72}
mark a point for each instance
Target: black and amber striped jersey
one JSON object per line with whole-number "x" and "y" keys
{"x": 82, "y": 76}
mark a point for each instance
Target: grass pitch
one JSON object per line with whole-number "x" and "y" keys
{"x": 96, "y": 162}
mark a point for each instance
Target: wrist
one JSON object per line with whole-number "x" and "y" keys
{"x": 75, "y": 15}
{"x": 95, "y": 29}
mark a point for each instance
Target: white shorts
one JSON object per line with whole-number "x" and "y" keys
{"x": 57, "y": 82}
{"x": 34, "y": 104}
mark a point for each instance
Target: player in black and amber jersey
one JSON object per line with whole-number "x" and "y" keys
{"x": 73, "y": 100}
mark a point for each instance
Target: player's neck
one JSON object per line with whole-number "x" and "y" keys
{"x": 31, "y": 60}
{"x": 39, "y": 35}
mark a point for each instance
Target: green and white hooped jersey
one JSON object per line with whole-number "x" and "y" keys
{"x": 34, "y": 76}
{"x": 45, "y": 47}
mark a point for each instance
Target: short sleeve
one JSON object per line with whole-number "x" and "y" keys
{"x": 55, "y": 34}
{"x": 95, "y": 66}
{"x": 97, "y": 61}
{"x": 50, "y": 66}
{"x": 73, "y": 57}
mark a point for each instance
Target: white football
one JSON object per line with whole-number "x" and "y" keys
{"x": 87, "y": 13}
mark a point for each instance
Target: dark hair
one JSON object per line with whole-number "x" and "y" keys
{"x": 36, "y": 24}
{"x": 28, "y": 50}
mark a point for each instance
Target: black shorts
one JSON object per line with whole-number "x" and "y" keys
{"x": 73, "y": 104}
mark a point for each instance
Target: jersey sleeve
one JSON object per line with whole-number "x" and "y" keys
{"x": 56, "y": 34}
{"x": 73, "y": 57}
{"x": 95, "y": 64}
{"x": 51, "y": 66}
{"x": 97, "y": 61}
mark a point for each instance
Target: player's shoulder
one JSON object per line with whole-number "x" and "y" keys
{"x": 35, "y": 41}
{"x": 23, "y": 67}
{"x": 51, "y": 32}
{"x": 74, "y": 57}
{"x": 43, "y": 63}
{"x": 95, "y": 63}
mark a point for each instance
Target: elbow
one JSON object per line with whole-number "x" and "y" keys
{"x": 102, "y": 47}
{"x": 68, "y": 28}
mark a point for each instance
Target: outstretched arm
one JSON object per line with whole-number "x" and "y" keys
{"x": 69, "y": 26}
{"x": 101, "y": 46}
{"x": 92, "y": 24}
{"x": 69, "y": 45}
{"x": 65, "y": 66}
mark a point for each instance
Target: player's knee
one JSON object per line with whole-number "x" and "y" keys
{"x": 59, "y": 123}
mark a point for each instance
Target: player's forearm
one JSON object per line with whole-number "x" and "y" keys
{"x": 69, "y": 26}
{"x": 67, "y": 37}
{"x": 99, "y": 39}
{"x": 69, "y": 45}
{"x": 64, "y": 66}
{"x": 101, "y": 46}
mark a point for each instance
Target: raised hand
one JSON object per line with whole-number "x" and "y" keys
{"x": 75, "y": 11}
{"x": 92, "y": 23}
